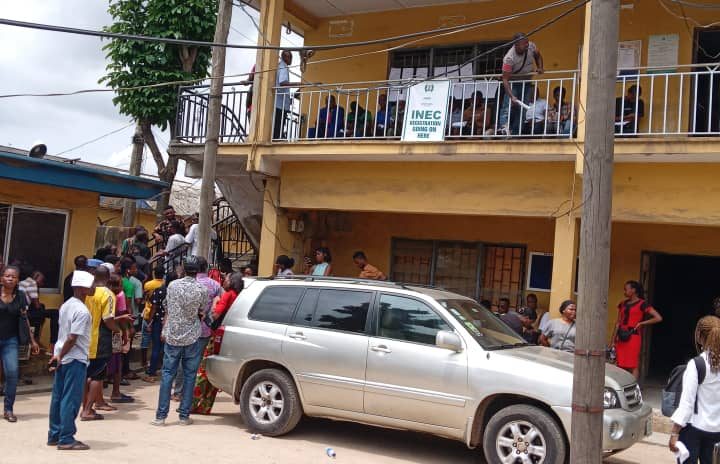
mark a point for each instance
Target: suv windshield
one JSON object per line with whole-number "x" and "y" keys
{"x": 485, "y": 327}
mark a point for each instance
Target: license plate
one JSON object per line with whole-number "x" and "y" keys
{"x": 648, "y": 427}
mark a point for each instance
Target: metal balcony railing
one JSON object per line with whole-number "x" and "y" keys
{"x": 684, "y": 101}
{"x": 476, "y": 108}
{"x": 191, "y": 124}
{"x": 669, "y": 102}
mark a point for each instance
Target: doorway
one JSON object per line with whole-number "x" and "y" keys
{"x": 707, "y": 110}
{"x": 681, "y": 288}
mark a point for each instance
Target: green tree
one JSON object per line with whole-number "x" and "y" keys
{"x": 135, "y": 63}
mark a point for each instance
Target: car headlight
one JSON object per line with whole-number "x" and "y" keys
{"x": 610, "y": 399}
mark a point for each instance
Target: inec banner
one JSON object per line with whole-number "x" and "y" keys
{"x": 426, "y": 112}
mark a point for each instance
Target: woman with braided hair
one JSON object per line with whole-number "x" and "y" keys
{"x": 696, "y": 422}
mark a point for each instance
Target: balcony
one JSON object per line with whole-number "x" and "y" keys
{"x": 660, "y": 106}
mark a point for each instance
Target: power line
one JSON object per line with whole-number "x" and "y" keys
{"x": 199, "y": 43}
{"x": 326, "y": 60}
{"x": 709, "y": 6}
{"x": 96, "y": 139}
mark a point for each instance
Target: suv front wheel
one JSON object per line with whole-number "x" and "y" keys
{"x": 524, "y": 434}
{"x": 269, "y": 403}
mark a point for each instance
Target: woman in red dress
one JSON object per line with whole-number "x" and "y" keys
{"x": 205, "y": 393}
{"x": 633, "y": 313}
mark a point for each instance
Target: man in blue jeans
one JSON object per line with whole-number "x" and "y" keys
{"x": 70, "y": 360}
{"x": 185, "y": 306}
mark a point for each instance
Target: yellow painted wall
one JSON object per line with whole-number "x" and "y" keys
{"x": 83, "y": 209}
{"x": 559, "y": 54}
{"x": 559, "y": 44}
{"x": 373, "y": 233}
{"x": 494, "y": 189}
{"x": 671, "y": 193}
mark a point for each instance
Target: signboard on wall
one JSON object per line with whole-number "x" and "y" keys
{"x": 663, "y": 52}
{"x": 426, "y": 112}
{"x": 540, "y": 272}
{"x": 629, "y": 57}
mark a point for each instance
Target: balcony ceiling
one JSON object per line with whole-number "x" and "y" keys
{"x": 330, "y": 8}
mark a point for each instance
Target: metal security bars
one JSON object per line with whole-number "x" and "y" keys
{"x": 477, "y": 108}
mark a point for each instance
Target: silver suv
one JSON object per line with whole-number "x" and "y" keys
{"x": 406, "y": 357}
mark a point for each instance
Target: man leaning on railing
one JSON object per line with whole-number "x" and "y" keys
{"x": 517, "y": 64}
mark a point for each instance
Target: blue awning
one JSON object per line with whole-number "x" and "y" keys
{"x": 66, "y": 175}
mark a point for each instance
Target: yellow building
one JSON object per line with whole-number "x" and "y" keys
{"x": 49, "y": 213}
{"x": 485, "y": 210}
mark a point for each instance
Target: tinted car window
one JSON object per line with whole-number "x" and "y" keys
{"x": 306, "y": 310}
{"x": 408, "y": 319}
{"x": 342, "y": 310}
{"x": 276, "y": 304}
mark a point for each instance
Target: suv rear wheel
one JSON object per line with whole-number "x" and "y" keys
{"x": 524, "y": 434}
{"x": 269, "y": 403}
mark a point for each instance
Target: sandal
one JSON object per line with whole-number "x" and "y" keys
{"x": 123, "y": 399}
{"x": 132, "y": 376}
{"x": 105, "y": 407}
{"x": 94, "y": 417}
{"x": 149, "y": 379}
{"x": 75, "y": 446}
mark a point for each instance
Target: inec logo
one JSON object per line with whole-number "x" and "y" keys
{"x": 429, "y": 87}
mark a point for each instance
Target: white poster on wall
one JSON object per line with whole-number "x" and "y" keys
{"x": 629, "y": 56}
{"x": 663, "y": 51}
{"x": 426, "y": 112}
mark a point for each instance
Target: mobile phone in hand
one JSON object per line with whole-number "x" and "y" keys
{"x": 53, "y": 365}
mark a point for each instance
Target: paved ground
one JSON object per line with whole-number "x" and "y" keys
{"x": 126, "y": 436}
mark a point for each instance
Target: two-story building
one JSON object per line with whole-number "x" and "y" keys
{"x": 489, "y": 210}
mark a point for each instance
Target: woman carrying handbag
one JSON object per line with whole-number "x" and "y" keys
{"x": 14, "y": 332}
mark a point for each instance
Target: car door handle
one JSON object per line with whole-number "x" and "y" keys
{"x": 298, "y": 336}
{"x": 381, "y": 349}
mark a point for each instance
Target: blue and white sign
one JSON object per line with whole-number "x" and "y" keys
{"x": 426, "y": 112}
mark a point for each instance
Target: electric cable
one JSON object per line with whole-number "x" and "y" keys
{"x": 198, "y": 80}
{"x": 199, "y": 43}
{"x": 96, "y": 139}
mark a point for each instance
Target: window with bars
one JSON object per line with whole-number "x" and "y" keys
{"x": 420, "y": 63}
{"x": 474, "y": 269}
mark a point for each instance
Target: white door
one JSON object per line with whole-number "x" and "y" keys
{"x": 407, "y": 376}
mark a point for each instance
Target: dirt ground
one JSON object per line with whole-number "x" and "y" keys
{"x": 127, "y": 436}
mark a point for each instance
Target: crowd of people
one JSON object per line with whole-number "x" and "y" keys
{"x": 519, "y": 106}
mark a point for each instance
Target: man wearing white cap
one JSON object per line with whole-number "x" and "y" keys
{"x": 70, "y": 361}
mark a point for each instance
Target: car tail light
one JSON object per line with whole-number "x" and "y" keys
{"x": 218, "y": 338}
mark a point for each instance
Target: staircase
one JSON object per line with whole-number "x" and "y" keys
{"x": 233, "y": 242}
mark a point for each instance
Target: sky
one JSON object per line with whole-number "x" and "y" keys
{"x": 42, "y": 62}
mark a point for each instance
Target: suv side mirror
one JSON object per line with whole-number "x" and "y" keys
{"x": 448, "y": 340}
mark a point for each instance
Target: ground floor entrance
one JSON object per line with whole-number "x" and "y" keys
{"x": 682, "y": 288}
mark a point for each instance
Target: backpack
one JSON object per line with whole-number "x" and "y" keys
{"x": 673, "y": 390}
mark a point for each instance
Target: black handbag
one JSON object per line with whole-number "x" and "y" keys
{"x": 23, "y": 329}
{"x": 625, "y": 334}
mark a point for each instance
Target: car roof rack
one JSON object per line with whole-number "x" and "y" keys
{"x": 354, "y": 280}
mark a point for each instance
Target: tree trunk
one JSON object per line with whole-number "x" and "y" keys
{"x": 166, "y": 171}
{"x": 130, "y": 205}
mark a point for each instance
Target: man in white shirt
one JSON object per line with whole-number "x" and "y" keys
{"x": 175, "y": 241}
{"x": 70, "y": 361}
{"x": 535, "y": 115}
{"x": 192, "y": 238}
{"x": 283, "y": 99}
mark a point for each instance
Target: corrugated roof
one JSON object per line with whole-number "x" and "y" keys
{"x": 110, "y": 183}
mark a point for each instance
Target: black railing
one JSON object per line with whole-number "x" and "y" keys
{"x": 172, "y": 261}
{"x": 232, "y": 240}
{"x": 192, "y": 113}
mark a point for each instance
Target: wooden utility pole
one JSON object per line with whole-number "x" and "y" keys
{"x": 136, "y": 160}
{"x": 589, "y": 379}
{"x": 207, "y": 188}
